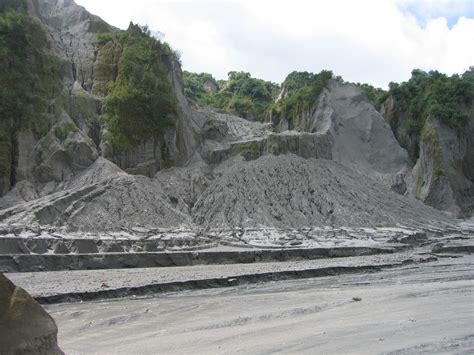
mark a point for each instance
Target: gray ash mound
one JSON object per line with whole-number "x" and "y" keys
{"x": 289, "y": 191}
{"x": 113, "y": 204}
{"x": 283, "y": 191}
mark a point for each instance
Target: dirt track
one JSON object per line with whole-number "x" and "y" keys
{"x": 422, "y": 308}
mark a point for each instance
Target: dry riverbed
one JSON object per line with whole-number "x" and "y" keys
{"x": 417, "y": 308}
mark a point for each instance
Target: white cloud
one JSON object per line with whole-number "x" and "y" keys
{"x": 373, "y": 41}
{"x": 429, "y": 9}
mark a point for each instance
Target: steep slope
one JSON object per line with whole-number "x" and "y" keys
{"x": 340, "y": 119}
{"x": 432, "y": 115}
{"x": 74, "y": 135}
{"x": 443, "y": 176}
{"x": 361, "y": 138}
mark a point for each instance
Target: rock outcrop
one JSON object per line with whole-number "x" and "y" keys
{"x": 443, "y": 176}
{"x": 75, "y": 138}
{"x": 360, "y": 137}
{"x": 25, "y": 327}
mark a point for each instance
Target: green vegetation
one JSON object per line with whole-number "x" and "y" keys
{"x": 197, "y": 87}
{"x": 254, "y": 98}
{"x": 106, "y": 66}
{"x": 62, "y": 132}
{"x": 141, "y": 103}
{"x": 29, "y": 79}
{"x": 246, "y": 96}
{"x": 302, "y": 89}
{"x": 427, "y": 94}
{"x": 433, "y": 94}
{"x": 297, "y": 80}
{"x": 430, "y": 140}
{"x": 376, "y": 95}
{"x": 29, "y": 76}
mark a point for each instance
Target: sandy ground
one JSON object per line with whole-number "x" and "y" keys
{"x": 421, "y": 308}
{"x": 59, "y": 282}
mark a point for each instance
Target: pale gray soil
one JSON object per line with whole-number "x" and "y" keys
{"x": 421, "y": 308}
{"x": 57, "y": 282}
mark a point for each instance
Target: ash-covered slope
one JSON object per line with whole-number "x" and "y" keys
{"x": 289, "y": 191}
{"x": 102, "y": 198}
{"x": 284, "y": 191}
{"x": 359, "y": 136}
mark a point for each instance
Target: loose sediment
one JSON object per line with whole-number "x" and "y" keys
{"x": 29, "y": 263}
{"x": 415, "y": 308}
{"x": 86, "y": 285}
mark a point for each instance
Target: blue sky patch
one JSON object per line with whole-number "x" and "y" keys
{"x": 425, "y": 10}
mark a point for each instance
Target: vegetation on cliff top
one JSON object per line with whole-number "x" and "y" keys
{"x": 433, "y": 94}
{"x": 254, "y": 98}
{"x": 241, "y": 93}
{"x": 141, "y": 103}
{"x": 199, "y": 87}
{"x": 376, "y": 95}
{"x": 300, "y": 91}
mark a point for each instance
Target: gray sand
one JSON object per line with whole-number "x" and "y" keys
{"x": 422, "y": 308}
{"x": 57, "y": 282}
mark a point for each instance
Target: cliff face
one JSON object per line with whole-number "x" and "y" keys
{"x": 74, "y": 138}
{"x": 359, "y": 138}
{"x": 443, "y": 174}
{"x": 69, "y": 140}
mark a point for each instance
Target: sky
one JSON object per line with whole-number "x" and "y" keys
{"x": 372, "y": 41}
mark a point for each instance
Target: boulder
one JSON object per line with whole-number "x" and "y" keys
{"x": 25, "y": 327}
